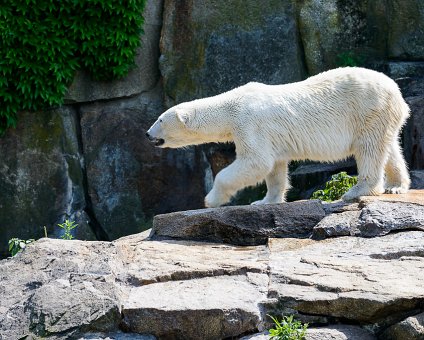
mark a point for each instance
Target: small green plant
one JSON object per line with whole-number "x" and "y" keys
{"x": 287, "y": 329}
{"x": 349, "y": 59}
{"x": 16, "y": 245}
{"x": 68, "y": 226}
{"x": 335, "y": 188}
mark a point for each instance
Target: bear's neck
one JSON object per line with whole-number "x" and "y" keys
{"x": 215, "y": 114}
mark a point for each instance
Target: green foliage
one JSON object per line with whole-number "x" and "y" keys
{"x": 336, "y": 187}
{"x": 43, "y": 43}
{"x": 16, "y": 245}
{"x": 287, "y": 329}
{"x": 349, "y": 59}
{"x": 68, "y": 226}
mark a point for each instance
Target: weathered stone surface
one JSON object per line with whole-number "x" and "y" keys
{"x": 379, "y": 216}
{"x": 116, "y": 336}
{"x": 339, "y": 332}
{"x": 41, "y": 177}
{"x": 411, "y": 328}
{"x": 414, "y": 132}
{"x": 196, "y": 290}
{"x": 58, "y": 287}
{"x": 142, "y": 78}
{"x": 240, "y": 225}
{"x": 406, "y": 29}
{"x": 128, "y": 179}
{"x": 206, "y": 49}
{"x": 359, "y": 279}
{"x": 67, "y": 289}
{"x": 341, "y": 224}
{"x": 208, "y": 308}
{"x": 401, "y": 69}
{"x": 417, "y": 179}
{"x": 336, "y": 33}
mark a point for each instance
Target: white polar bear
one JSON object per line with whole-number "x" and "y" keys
{"x": 327, "y": 117}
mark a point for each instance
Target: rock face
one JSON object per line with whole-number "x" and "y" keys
{"x": 406, "y": 28}
{"x": 341, "y": 33}
{"x": 183, "y": 289}
{"x": 206, "y": 49}
{"x": 127, "y": 176}
{"x": 41, "y": 180}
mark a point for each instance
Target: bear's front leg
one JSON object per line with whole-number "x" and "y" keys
{"x": 241, "y": 173}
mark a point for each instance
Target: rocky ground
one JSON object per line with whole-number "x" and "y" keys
{"x": 352, "y": 271}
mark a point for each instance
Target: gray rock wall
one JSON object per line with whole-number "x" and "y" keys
{"x": 89, "y": 160}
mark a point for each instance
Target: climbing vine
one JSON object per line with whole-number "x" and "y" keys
{"x": 43, "y": 43}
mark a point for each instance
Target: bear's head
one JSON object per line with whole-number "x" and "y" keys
{"x": 175, "y": 128}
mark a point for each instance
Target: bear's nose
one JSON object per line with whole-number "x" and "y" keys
{"x": 148, "y": 135}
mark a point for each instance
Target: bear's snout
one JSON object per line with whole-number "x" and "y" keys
{"x": 155, "y": 141}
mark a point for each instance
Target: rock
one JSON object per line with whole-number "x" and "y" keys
{"x": 240, "y": 225}
{"x": 336, "y": 332}
{"x": 201, "y": 40}
{"x": 142, "y": 78}
{"x": 411, "y": 328}
{"x": 339, "y": 332}
{"x": 41, "y": 177}
{"x": 128, "y": 179}
{"x": 405, "y": 29}
{"x": 208, "y": 308}
{"x": 341, "y": 224}
{"x": 417, "y": 179}
{"x": 359, "y": 279}
{"x": 342, "y": 33}
{"x": 402, "y": 69}
{"x": 116, "y": 336}
{"x": 96, "y": 281}
{"x": 413, "y": 133}
{"x": 196, "y": 290}
{"x": 380, "y": 218}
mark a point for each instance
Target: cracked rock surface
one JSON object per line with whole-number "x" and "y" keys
{"x": 345, "y": 287}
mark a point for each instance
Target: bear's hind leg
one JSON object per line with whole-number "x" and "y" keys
{"x": 370, "y": 160}
{"x": 239, "y": 174}
{"x": 397, "y": 176}
{"x": 277, "y": 184}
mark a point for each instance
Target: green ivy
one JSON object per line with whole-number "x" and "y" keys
{"x": 335, "y": 188}
{"x": 43, "y": 43}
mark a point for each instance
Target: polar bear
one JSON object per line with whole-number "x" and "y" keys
{"x": 328, "y": 117}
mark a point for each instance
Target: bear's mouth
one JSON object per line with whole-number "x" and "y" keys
{"x": 159, "y": 141}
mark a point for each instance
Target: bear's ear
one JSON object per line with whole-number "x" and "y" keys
{"x": 186, "y": 117}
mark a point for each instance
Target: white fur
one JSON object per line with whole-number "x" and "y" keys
{"x": 328, "y": 117}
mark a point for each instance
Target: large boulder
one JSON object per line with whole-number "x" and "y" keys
{"x": 240, "y": 225}
{"x": 141, "y": 78}
{"x": 41, "y": 177}
{"x": 128, "y": 179}
{"x": 207, "y": 49}
{"x": 342, "y": 33}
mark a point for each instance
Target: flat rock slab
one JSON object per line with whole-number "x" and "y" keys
{"x": 352, "y": 278}
{"x": 377, "y": 218}
{"x": 208, "y": 308}
{"x": 240, "y": 225}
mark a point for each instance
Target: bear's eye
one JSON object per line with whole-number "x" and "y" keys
{"x": 160, "y": 120}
